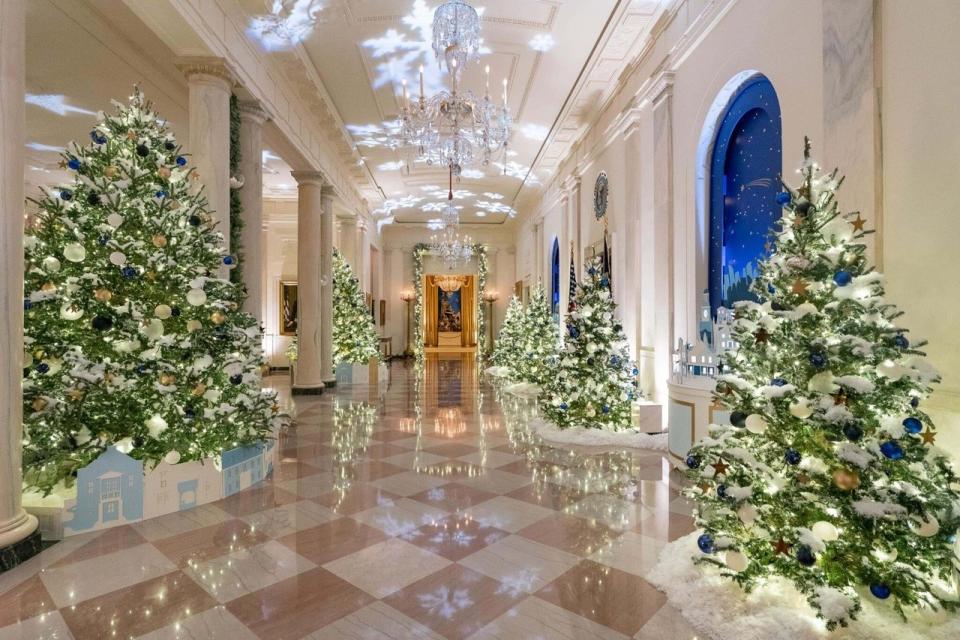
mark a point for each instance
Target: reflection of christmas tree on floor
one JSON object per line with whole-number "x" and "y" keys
{"x": 132, "y": 340}
{"x": 830, "y": 475}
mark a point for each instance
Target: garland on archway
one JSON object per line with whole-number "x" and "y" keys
{"x": 418, "y": 252}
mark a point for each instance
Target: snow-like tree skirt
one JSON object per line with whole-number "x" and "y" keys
{"x": 599, "y": 437}
{"x": 498, "y": 372}
{"x": 523, "y": 389}
{"x": 775, "y": 610}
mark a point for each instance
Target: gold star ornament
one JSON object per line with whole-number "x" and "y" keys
{"x": 858, "y": 223}
{"x": 799, "y": 287}
{"x": 928, "y": 436}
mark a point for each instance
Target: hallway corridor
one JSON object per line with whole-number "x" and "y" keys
{"x": 425, "y": 511}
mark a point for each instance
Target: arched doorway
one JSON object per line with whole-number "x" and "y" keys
{"x": 744, "y": 163}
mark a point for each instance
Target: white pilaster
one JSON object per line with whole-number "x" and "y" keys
{"x": 326, "y": 287}
{"x": 310, "y": 376}
{"x": 15, "y": 524}
{"x": 252, "y": 118}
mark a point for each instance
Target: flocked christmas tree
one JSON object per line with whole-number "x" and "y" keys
{"x": 132, "y": 339}
{"x": 355, "y": 339}
{"x": 595, "y": 383}
{"x": 540, "y": 343}
{"x": 830, "y": 475}
{"x": 507, "y": 351}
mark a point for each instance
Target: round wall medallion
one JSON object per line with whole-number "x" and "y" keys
{"x": 600, "y": 196}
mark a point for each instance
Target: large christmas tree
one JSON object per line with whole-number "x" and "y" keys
{"x": 594, "y": 383}
{"x": 830, "y": 475}
{"x": 131, "y": 337}
{"x": 355, "y": 339}
{"x": 540, "y": 343}
{"x": 510, "y": 338}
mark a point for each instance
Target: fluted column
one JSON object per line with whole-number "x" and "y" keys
{"x": 252, "y": 118}
{"x": 210, "y": 84}
{"x": 326, "y": 288}
{"x": 309, "y": 376}
{"x": 18, "y": 530}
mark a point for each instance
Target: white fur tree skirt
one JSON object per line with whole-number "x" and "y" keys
{"x": 598, "y": 437}
{"x": 721, "y": 610}
{"x": 523, "y": 389}
{"x": 498, "y": 372}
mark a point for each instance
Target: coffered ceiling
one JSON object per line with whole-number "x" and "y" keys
{"x": 362, "y": 50}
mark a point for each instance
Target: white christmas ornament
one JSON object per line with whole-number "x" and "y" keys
{"x": 925, "y": 528}
{"x": 117, "y": 259}
{"x": 173, "y": 457}
{"x": 51, "y": 264}
{"x": 193, "y": 325}
{"x": 74, "y": 252}
{"x": 825, "y": 531}
{"x": 747, "y": 513}
{"x": 154, "y": 329}
{"x": 822, "y": 382}
{"x": 114, "y": 220}
{"x": 70, "y": 312}
{"x": 736, "y": 561}
{"x": 163, "y": 311}
{"x": 124, "y": 446}
{"x": 196, "y": 297}
{"x": 155, "y": 425}
{"x": 800, "y": 408}
{"x": 756, "y": 424}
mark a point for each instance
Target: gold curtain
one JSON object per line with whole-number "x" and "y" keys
{"x": 468, "y": 314}
{"x": 430, "y": 302}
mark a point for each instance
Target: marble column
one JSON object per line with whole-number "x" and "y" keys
{"x": 252, "y": 118}
{"x": 19, "y": 538}
{"x": 210, "y": 84}
{"x": 326, "y": 287}
{"x": 310, "y": 212}
{"x": 663, "y": 224}
{"x": 360, "y": 254}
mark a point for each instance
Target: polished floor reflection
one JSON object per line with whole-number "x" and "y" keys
{"x": 423, "y": 510}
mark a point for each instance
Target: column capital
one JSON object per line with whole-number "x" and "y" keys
{"x": 251, "y": 111}
{"x": 206, "y": 69}
{"x": 314, "y": 178}
{"x": 361, "y": 224}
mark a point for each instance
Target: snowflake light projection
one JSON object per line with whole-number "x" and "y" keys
{"x": 495, "y": 207}
{"x": 445, "y": 603}
{"x": 492, "y": 196}
{"x": 536, "y": 132}
{"x": 383, "y": 135}
{"x": 287, "y": 25}
{"x": 542, "y": 42}
{"x": 55, "y": 103}
{"x": 392, "y": 204}
{"x": 395, "y": 165}
{"x": 516, "y": 170}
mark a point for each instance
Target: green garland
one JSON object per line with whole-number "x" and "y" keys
{"x": 236, "y": 205}
{"x": 418, "y": 252}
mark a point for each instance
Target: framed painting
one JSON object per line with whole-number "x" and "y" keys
{"x": 288, "y": 308}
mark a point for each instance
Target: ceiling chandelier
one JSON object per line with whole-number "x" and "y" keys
{"x": 452, "y": 248}
{"x": 455, "y": 128}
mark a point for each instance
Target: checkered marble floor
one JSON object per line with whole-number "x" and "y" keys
{"x": 426, "y": 511}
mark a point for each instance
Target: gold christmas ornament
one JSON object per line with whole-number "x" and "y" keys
{"x": 174, "y": 204}
{"x": 160, "y": 241}
{"x": 76, "y": 394}
{"x": 131, "y": 134}
{"x": 217, "y": 318}
{"x": 103, "y": 295}
{"x": 164, "y": 172}
{"x": 110, "y": 171}
{"x": 48, "y": 287}
{"x": 199, "y": 389}
{"x": 846, "y": 480}
{"x": 167, "y": 379}
{"x": 193, "y": 325}
{"x": 39, "y": 404}
{"x": 151, "y": 275}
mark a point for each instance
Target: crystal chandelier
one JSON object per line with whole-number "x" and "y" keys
{"x": 456, "y": 34}
{"x": 455, "y": 128}
{"x": 452, "y": 248}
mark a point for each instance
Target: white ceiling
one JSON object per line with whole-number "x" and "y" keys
{"x": 363, "y": 49}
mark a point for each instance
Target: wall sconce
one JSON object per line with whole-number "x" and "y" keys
{"x": 408, "y": 296}
{"x": 490, "y": 296}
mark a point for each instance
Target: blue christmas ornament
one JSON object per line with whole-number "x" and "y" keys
{"x": 901, "y": 341}
{"x": 783, "y": 198}
{"x": 792, "y": 456}
{"x": 635, "y": 371}
{"x": 705, "y": 543}
{"x": 143, "y": 150}
{"x": 161, "y": 194}
{"x": 228, "y": 260}
{"x": 914, "y": 402}
{"x": 693, "y": 462}
{"x": 771, "y": 289}
{"x": 42, "y": 367}
{"x": 27, "y": 303}
{"x": 592, "y": 271}
{"x": 606, "y": 409}
{"x": 564, "y": 406}
{"x": 98, "y": 137}
{"x": 73, "y": 163}
{"x": 181, "y": 161}
{"x": 842, "y": 278}
{"x": 818, "y": 360}
{"x": 189, "y": 413}
{"x": 103, "y": 239}
{"x": 169, "y": 146}
{"x": 236, "y": 378}
{"x": 880, "y": 591}
{"x": 573, "y": 331}
{"x": 721, "y": 490}
{"x": 605, "y": 282}
{"x": 194, "y": 221}
{"x": 805, "y": 556}
{"x": 778, "y": 382}
{"x": 142, "y": 368}
{"x": 891, "y": 450}
{"x": 66, "y": 194}
{"x": 852, "y": 431}
{"x": 615, "y": 361}
{"x": 913, "y": 425}
{"x": 128, "y": 272}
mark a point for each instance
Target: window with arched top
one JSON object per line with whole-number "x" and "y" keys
{"x": 555, "y": 278}
{"x": 744, "y": 164}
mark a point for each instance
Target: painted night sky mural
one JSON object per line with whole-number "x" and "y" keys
{"x": 744, "y": 181}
